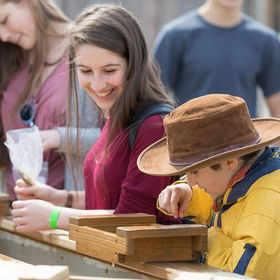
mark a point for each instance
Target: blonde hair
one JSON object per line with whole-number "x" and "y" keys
{"x": 12, "y": 56}
{"x": 44, "y": 11}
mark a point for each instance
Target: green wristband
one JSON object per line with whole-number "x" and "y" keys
{"x": 54, "y": 217}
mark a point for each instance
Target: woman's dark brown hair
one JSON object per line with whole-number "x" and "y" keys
{"x": 115, "y": 29}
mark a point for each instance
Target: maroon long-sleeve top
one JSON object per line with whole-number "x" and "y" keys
{"x": 113, "y": 181}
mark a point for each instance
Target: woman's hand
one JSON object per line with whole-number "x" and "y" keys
{"x": 175, "y": 199}
{"x": 31, "y": 215}
{"x": 39, "y": 191}
{"x": 50, "y": 139}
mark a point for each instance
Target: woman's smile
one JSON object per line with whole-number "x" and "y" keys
{"x": 103, "y": 77}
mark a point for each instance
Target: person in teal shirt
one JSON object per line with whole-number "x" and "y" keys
{"x": 219, "y": 49}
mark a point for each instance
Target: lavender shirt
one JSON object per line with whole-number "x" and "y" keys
{"x": 50, "y": 103}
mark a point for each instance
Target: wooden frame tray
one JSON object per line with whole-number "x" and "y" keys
{"x": 128, "y": 238}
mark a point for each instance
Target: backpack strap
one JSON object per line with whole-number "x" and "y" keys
{"x": 144, "y": 113}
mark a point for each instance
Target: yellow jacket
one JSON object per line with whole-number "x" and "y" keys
{"x": 244, "y": 236}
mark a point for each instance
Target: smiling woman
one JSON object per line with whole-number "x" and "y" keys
{"x": 109, "y": 59}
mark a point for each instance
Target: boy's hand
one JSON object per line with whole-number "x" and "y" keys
{"x": 175, "y": 199}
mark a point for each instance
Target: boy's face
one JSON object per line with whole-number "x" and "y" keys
{"x": 214, "y": 182}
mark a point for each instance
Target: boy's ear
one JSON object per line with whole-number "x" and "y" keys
{"x": 233, "y": 164}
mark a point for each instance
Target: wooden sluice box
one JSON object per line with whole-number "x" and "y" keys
{"x": 127, "y": 238}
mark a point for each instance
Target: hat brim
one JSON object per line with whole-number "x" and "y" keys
{"x": 154, "y": 160}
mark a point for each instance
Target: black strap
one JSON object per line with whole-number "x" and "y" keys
{"x": 144, "y": 113}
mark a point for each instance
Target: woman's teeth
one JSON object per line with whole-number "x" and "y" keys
{"x": 104, "y": 94}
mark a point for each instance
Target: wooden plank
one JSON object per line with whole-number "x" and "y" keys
{"x": 98, "y": 278}
{"x": 7, "y": 224}
{"x": 45, "y": 272}
{"x": 111, "y": 229}
{"x": 162, "y": 270}
{"x": 22, "y": 271}
{"x": 208, "y": 276}
{"x": 112, "y": 220}
{"x": 4, "y": 211}
{"x": 151, "y": 269}
{"x": 161, "y": 249}
{"x": 169, "y": 270}
{"x": 5, "y": 258}
{"x": 158, "y": 230}
{"x": 4, "y": 204}
{"x": 4, "y": 197}
{"x": 71, "y": 277}
{"x": 96, "y": 251}
{"x": 200, "y": 243}
{"x": 55, "y": 237}
{"x": 101, "y": 238}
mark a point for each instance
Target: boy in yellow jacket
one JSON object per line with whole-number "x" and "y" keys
{"x": 232, "y": 180}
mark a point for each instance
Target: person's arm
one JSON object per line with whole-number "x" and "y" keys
{"x": 273, "y": 103}
{"x": 87, "y": 137}
{"x": 50, "y": 139}
{"x": 89, "y": 129}
{"x": 48, "y": 193}
{"x": 33, "y": 209}
{"x": 268, "y": 78}
{"x": 34, "y": 215}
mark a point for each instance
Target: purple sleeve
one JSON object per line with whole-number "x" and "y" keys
{"x": 139, "y": 191}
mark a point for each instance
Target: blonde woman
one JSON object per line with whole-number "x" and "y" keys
{"x": 34, "y": 79}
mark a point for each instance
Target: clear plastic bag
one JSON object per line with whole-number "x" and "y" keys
{"x": 26, "y": 152}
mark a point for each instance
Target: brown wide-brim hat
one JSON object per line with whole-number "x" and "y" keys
{"x": 206, "y": 131}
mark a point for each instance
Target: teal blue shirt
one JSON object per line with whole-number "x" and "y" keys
{"x": 197, "y": 58}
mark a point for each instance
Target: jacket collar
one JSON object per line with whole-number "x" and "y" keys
{"x": 239, "y": 185}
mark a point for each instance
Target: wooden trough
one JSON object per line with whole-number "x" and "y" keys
{"x": 127, "y": 238}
